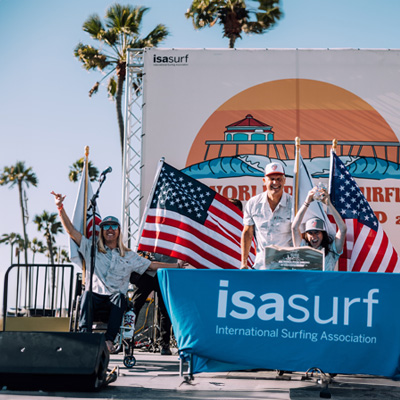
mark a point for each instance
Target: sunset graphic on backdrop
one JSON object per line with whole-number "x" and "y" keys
{"x": 309, "y": 109}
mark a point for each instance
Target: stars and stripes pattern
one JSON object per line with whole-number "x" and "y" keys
{"x": 367, "y": 247}
{"x": 89, "y": 225}
{"x": 187, "y": 220}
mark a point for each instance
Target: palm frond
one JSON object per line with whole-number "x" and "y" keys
{"x": 75, "y": 171}
{"x": 111, "y": 37}
{"x": 112, "y": 88}
{"x": 10, "y": 238}
{"x": 154, "y": 38}
{"x": 205, "y": 12}
{"x": 18, "y": 173}
{"x": 48, "y": 222}
{"x": 94, "y": 27}
{"x": 125, "y": 18}
{"x": 91, "y": 57}
{"x": 92, "y": 91}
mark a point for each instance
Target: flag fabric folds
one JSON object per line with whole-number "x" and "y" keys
{"x": 302, "y": 184}
{"x": 367, "y": 247}
{"x": 187, "y": 220}
{"x": 78, "y": 217}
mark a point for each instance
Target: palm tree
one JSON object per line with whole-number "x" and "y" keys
{"x": 19, "y": 247}
{"x": 37, "y": 246}
{"x": 11, "y": 239}
{"x": 61, "y": 256}
{"x": 235, "y": 16}
{"x": 75, "y": 171}
{"x": 19, "y": 175}
{"x": 48, "y": 222}
{"x": 119, "y": 32}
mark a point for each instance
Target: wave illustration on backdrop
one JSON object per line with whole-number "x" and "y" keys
{"x": 259, "y": 125}
{"x": 250, "y": 165}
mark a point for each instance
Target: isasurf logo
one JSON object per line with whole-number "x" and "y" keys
{"x": 170, "y": 60}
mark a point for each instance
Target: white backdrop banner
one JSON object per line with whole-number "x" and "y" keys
{"x": 221, "y": 115}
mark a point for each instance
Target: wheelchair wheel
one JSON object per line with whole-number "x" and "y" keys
{"x": 129, "y": 361}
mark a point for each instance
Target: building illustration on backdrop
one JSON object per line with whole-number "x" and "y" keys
{"x": 248, "y": 129}
{"x": 259, "y": 125}
{"x": 249, "y": 144}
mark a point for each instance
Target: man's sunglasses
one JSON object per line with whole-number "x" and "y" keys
{"x": 114, "y": 227}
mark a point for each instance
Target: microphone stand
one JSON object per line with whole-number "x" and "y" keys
{"x": 93, "y": 204}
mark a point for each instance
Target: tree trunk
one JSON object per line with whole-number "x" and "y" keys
{"x": 232, "y": 28}
{"x": 52, "y": 286}
{"x": 50, "y": 247}
{"x": 121, "y": 73}
{"x": 21, "y": 202}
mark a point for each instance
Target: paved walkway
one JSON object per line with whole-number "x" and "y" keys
{"x": 157, "y": 377}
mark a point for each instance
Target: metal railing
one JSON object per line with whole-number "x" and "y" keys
{"x": 32, "y": 290}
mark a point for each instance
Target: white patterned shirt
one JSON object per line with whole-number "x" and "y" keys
{"x": 111, "y": 271}
{"x": 270, "y": 227}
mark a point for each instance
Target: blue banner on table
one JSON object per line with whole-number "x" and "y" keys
{"x": 339, "y": 322}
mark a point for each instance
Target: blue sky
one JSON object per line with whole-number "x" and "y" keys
{"x": 47, "y": 118}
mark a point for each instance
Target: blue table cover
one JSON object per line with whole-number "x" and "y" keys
{"x": 340, "y": 322}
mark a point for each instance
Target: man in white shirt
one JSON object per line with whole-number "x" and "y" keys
{"x": 267, "y": 217}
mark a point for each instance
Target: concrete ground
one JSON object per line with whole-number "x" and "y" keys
{"x": 158, "y": 377}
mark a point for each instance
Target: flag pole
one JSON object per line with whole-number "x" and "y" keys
{"x": 333, "y": 150}
{"x": 151, "y": 194}
{"x": 334, "y": 145}
{"x": 85, "y": 202}
{"x": 296, "y": 174}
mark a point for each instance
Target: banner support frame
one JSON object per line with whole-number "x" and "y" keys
{"x": 132, "y": 154}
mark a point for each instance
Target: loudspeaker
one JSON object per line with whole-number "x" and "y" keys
{"x": 63, "y": 361}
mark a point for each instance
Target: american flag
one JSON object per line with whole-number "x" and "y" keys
{"x": 187, "y": 220}
{"x": 89, "y": 224}
{"x": 366, "y": 248}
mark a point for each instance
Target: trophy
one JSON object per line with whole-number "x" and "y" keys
{"x": 320, "y": 191}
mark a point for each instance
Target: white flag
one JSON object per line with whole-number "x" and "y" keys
{"x": 305, "y": 184}
{"x": 78, "y": 218}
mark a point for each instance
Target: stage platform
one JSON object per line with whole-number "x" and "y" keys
{"x": 158, "y": 377}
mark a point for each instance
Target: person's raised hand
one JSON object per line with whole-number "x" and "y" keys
{"x": 58, "y": 198}
{"x": 325, "y": 198}
{"x": 310, "y": 196}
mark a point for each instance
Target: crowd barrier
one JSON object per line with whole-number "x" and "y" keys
{"x": 37, "y": 297}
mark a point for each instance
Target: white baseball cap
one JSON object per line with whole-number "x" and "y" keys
{"x": 315, "y": 224}
{"x": 274, "y": 168}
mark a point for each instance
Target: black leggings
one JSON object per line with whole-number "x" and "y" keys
{"x": 112, "y": 306}
{"x": 144, "y": 285}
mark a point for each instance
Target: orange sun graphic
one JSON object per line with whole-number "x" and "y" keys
{"x": 309, "y": 109}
